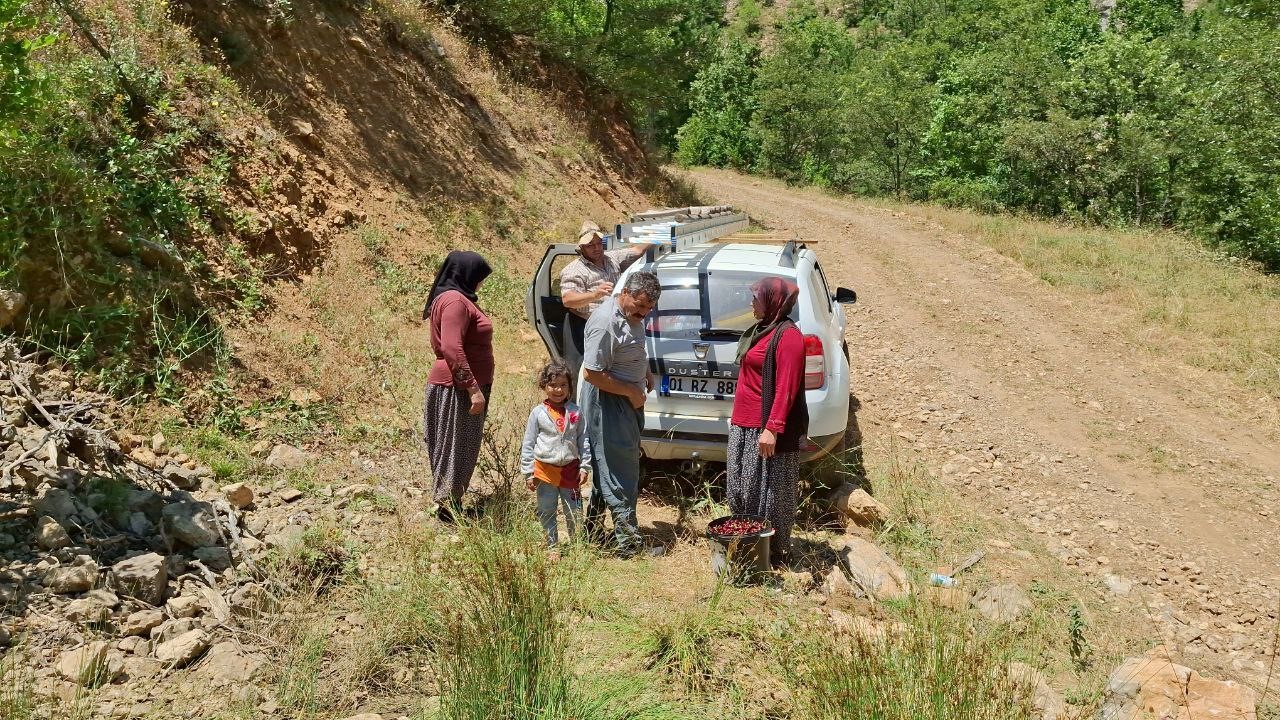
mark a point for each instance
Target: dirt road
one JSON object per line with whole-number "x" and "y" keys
{"x": 1157, "y": 479}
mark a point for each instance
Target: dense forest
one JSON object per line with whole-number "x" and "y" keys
{"x": 1139, "y": 115}
{"x": 1143, "y": 115}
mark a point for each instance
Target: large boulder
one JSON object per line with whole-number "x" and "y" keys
{"x": 143, "y": 577}
{"x": 1002, "y": 603}
{"x": 191, "y": 523}
{"x": 1153, "y": 686}
{"x": 873, "y": 572}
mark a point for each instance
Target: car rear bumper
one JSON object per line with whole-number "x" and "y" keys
{"x": 713, "y": 447}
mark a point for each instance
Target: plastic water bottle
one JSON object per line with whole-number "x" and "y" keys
{"x": 941, "y": 580}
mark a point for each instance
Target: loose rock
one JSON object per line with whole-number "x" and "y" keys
{"x": 180, "y": 651}
{"x": 859, "y": 507}
{"x": 183, "y": 478}
{"x": 57, "y": 504}
{"x": 216, "y": 559}
{"x": 288, "y": 457}
{"x": 226, "y": 663}
{"x": 1152, "y": 685}
{"x": 142, "y": 622}
{"x": 191, "y": 523}
{"x": 239, "y": 495}
{"x": 1048, "y": 704}
{"x": 289, "y": 494}
{"x": 68, "y": 580}
{"x": 87, "y": 665}
{"x": 95, "y": 607}
{"x": 12, "y": 303}
{"x": 1118, "y": 585}
{"x": 183, "y": 607}
{"x": 173, "y": 629}
{"x": 50, "y": 534}
{"x": 874, "y": 572}
{"x": 143, "y": 577}
{"x": 1002, "y": 603}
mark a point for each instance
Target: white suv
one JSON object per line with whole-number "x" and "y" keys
{"x": 693, "y": 339}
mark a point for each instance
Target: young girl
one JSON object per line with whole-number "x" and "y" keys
{"x": 555, "y": 454}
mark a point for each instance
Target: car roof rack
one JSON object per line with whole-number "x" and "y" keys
{"x": 788, "y": 256}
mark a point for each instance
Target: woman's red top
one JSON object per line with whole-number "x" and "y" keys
{"x": 462, "y": 336}
{"x": 788, "y": 381}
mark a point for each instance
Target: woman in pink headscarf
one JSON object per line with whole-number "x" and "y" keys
{"x": 770, "y": 419}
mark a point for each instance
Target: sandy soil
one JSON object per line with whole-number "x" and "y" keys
{"x": 1155, "y": 479}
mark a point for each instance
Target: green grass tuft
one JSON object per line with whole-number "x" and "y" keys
{"x": 929, "y": 667}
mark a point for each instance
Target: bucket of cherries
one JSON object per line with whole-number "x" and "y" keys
{"x": 739, "y": 547}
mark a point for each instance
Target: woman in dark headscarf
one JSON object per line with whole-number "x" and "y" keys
{"x": 770, "y": 418}
{"x": 460, "y": 380}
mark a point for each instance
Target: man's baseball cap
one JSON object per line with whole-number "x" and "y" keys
{"x": 589, "y": 232}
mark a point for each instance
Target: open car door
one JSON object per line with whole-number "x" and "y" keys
{"x": 542, "y": 305}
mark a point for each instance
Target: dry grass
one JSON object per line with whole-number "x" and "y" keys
{"x": 934, "y": 526}
{"x": 1204, "y": 309}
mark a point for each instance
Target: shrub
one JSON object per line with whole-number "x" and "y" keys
{"x": 317, "y": 562}
{"x": 980, "y": 194}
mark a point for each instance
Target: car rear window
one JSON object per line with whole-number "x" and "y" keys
{"x": 688, "y": 310}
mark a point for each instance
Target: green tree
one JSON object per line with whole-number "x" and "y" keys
{"x": 644, "y": 52}
{"x": 802, "y": 94}
{"x": 889, "y": 92}
{"x": 1228, "y": 182}
{"x": 18, "y": 39}
{"x": 723, "y": 101}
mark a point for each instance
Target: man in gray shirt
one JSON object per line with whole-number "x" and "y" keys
{"x": 616, "y": 367}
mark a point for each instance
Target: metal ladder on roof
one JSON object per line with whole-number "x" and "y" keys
{"x": 674, "y": 229}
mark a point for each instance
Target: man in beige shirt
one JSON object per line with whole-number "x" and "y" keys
{"x": 587, "y": 281}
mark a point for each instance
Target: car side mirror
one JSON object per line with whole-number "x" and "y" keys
{"x": 845, "y": 296}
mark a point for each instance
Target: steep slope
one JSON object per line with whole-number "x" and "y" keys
{"x": 356, "y": 146}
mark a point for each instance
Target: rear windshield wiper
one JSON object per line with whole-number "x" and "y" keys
{"x": 719, "y": 333}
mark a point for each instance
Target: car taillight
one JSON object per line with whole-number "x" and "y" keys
{"x": 815, "y": 363}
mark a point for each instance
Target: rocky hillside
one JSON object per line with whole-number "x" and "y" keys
{"x": 266, "y": 344}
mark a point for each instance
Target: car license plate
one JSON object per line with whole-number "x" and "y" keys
{"x": 705, "y": 388}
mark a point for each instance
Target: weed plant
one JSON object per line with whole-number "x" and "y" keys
{"x": 504, "y": 645}
{"x": 321, "y": 559}
{"x": 17, "y": 701}
{"x": 682, "y": 645}
{"x": 930, "y": 667}
{"x": 299, "y": 685}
